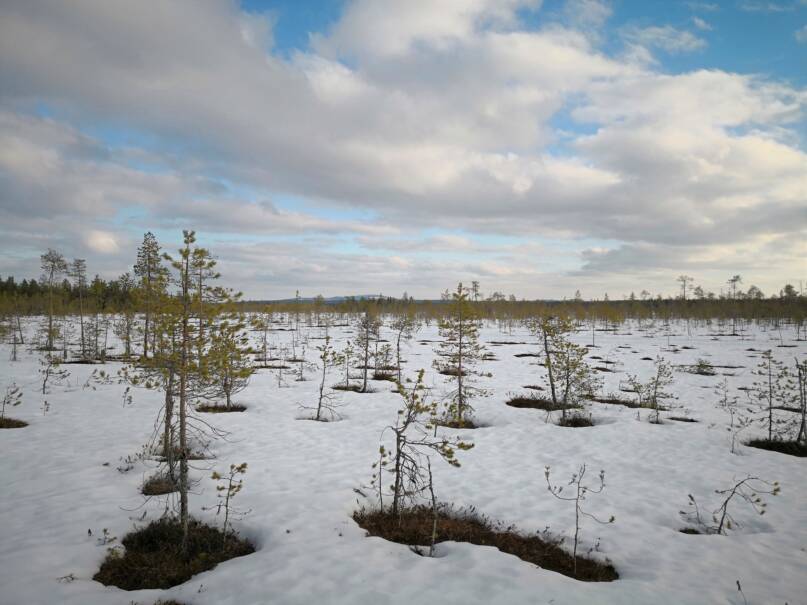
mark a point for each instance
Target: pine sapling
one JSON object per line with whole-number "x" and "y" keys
{"x": 738, "y": 420}
{"x": 580, "y": 491}
{"x": 11, "y": 399}
{"x": 228, "y": 488}
{"x": 749, "y": 490}
{"x": 414, "y": 442}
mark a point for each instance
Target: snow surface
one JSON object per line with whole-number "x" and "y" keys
{"x": 59, "y": 478}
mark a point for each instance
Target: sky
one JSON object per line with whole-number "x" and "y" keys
{"x": 390, "y": 146}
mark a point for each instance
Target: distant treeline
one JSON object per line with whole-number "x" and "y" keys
{"x": 30, "y": 296}
{"x": 64, "y": 288}
{"x": 613, "y": 311}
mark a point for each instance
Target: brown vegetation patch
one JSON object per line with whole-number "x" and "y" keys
{"x": 682, "y": 419}
{"x": 11, "y": 423}
{"x": 153, "y": 558}
{"x": 220, "y": 409}
{"x": 389, "y": 377}
{"x": 534, "y": 402}
{"x": 414, "y": 527}
{"x": 467, "y": 423}
{"x": 452, "y": 372}
{"x": 792, "y": 448}
{"x": 575, "y": 421}
{"x": 356, "y": 388}
{"x": 159, "y": 485}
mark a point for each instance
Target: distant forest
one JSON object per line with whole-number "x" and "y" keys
{"x": 65, "y": 285}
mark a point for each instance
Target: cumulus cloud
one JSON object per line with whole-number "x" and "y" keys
{"x": 422, "y": 116}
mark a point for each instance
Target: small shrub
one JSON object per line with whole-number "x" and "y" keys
{"x": 576, "y": 421}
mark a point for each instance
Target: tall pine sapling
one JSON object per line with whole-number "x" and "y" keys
{"x": 11, "y": 399}
{"x": 414, "y": 441}
{"x": 458, "y": 355}
{"x": 367, "y": 333}
{"x": 404, "y": 327}
{"x": 775, "y": 388}
{"x": 228, "y": 365}
{"x": 228, "y": 487}
{"x": 738, "y": 419}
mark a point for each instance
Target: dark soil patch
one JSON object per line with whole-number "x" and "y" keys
{"x": 528, "y": 355}
{"x": 575, "y": 421}
{"x": 158, "y": 485}
{"x": 682, "y": 419}
{"x": 11, "y": 423}
{"x": 603, "y": 369}
{"x": 506, "y": 342}
{"x": 534, "y": 387}
{"x": 792, "y": 448}
{"x": 414, "y": 527}
{"x": 691, "y": 531}
{"x": 221, "y": 409}
{"x": 153, "y": 557}
{"x": 275, "y": 366}
{"x": 647, "y": 359}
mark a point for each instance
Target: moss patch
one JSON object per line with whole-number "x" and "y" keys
{"x": 153, "y": 558}
{"x": 413, "y": 527}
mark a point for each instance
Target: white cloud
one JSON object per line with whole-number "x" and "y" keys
{"x": 445, "y": 121}
{"x": 102, "y": 242}
{"x": 701, "y": 24}
{"x": 666, "y": 38}
{"x": 801, "y": 35}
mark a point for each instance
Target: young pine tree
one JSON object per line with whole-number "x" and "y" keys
{"x": 53, "y": 267}
{"x": 459, "y": 353}
{"x": 152, "y": 275}
{"x": 775, "y": 388}
{"x": 367, "y": 333}
{"x": 228, "y": 366}
{"x": 413, "y": 433}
